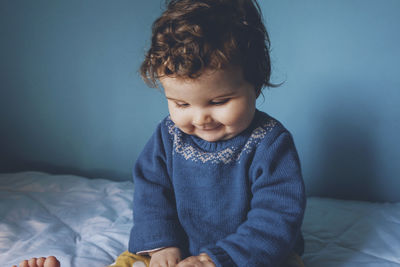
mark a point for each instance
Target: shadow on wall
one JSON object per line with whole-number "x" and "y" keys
{"x": 345, "y": 162}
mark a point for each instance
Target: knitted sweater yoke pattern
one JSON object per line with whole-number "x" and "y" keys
{"x": 227, "y": 155}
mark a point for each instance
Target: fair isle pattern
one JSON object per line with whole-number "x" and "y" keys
{"x": 224, "y": 156}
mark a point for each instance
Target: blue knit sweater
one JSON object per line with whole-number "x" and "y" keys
{"x": 241, "y": 200}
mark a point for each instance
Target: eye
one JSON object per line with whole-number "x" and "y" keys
{"x": 181, "y": 104}
{"x": 219, "y": 102}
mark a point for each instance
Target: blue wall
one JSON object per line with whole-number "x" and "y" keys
{"x": 71, "y": 99}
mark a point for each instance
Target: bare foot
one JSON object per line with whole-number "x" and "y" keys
{"x": 40, "y": 262}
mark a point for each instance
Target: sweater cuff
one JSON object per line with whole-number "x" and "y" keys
{"x": 168, "y": 234}
{"x": 147, "y": 252}
{"x": 219, "y": 256}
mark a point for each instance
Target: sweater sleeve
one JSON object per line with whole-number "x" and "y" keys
{"x": 155, "y": 220}
{"x": 276, "y": 210}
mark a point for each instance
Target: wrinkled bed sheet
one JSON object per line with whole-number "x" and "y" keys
{"x": 80, "y": 221}
{"x": 86, "y": 222}
{"x": 342, "y": 233}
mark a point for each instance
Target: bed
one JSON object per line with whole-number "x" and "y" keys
{"x": 86, "y": 222}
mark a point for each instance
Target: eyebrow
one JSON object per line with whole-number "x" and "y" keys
{"x": 226, "y": 95}
{"x": 217, "y": 97}
{"x": 173, "y": 99}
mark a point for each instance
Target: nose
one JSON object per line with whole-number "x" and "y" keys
{"x": 201, "y": 117}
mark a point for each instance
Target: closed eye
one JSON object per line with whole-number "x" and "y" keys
{"x": 219, "y": 102}
{"x": 181, "y": 105}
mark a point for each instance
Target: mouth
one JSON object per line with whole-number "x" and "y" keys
{"x": 209, "y": 129}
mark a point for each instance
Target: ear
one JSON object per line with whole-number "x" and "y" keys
{"x": 258, "y": 92}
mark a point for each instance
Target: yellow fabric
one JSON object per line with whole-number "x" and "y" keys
{"x": 127, "y": 259}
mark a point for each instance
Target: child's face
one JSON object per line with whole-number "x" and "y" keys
{"x": 218, "y": 105}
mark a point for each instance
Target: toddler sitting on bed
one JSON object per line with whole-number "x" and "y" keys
{"x": 219, "y": 182}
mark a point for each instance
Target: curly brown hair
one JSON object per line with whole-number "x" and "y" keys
{"x": 193, "y": 35}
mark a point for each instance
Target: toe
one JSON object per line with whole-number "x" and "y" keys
{"x": 51, "y": 262}
{"x": 32, "y": 262}
{"x": 40, "y": 262}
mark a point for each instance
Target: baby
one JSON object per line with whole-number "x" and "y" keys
{"x": 219, "y": 182}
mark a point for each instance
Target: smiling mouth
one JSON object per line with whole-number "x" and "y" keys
{"x": 209, "y": 129}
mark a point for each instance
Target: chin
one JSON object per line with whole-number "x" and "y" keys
{"x": 213, "y": 138}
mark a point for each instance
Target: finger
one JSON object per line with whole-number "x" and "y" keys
{"x": 154, "y": 264}
{"x": 158, "y": 264}
{"x": 172, "y": 263}
{"x": 205, "y": 258}
{"x": 185, "y": 262}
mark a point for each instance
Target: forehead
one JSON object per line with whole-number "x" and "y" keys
{"x": 211, "y": 80}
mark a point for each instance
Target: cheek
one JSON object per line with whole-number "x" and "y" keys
{"x": 237, "y": 114}
{"x": 178, "y": 116}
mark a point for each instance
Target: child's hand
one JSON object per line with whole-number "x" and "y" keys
{"x": 202, "y": 260}
{"x": 166, "y": 257}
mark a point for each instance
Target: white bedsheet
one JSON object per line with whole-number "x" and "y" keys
{"x": 341, "y": 233}
{"x": 80, "y": 221}
{"x": 86, "y": 222}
